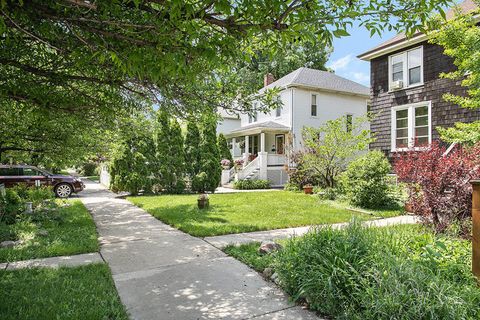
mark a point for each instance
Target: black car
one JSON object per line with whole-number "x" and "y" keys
{"x": 63, "y": 186}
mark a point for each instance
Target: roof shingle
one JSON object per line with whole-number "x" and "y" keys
{"x": 321, "y": 80}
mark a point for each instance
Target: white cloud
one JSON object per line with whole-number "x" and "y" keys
{"x": 341, "y": 63}
{"x": 361, "y": 77}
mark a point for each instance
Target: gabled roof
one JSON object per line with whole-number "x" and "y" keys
{"x": 320, "y": 80}
{"x": 400, "y": 40}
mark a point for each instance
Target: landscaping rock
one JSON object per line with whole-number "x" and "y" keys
{"x": 268, "y": 247}
{"x": 268, "y": 272}
{"x": 275, "y": 279}
{"x": 7, "y": 244}
{"x": 42, "y": 233}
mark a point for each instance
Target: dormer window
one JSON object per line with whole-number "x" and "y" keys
{"x": 406, "y": 69}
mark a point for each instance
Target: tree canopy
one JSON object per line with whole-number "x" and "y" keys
{"x": 78, "y": 63}
{"x": 460, "y": 38}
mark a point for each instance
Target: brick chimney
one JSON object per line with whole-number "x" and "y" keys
{"x": 268, "y": 79}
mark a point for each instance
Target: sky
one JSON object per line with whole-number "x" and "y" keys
{"x": 346, "y": 49}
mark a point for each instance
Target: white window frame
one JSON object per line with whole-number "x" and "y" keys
{"x": 411, "y": 125}
{"x": 316, "y": 105}
{"x": 405, "y": 79}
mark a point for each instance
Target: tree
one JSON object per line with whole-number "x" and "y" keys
{"x": 328, "y": 149}
{"x": 223, "y": 148}
{"x": 460, "y": 38}
{"x": 132, "y": 156}
{"x": 170, "y": 157}
{"x": 192, "y": 150}
{"x": 210, "y": 169}
{"x": 57, "y": 53}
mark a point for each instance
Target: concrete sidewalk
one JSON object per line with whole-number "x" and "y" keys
{"x": 163, "y": 273}
{"x": 259, "y": 236}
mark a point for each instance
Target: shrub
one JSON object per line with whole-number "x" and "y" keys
{"x": 37, "y": 195}
{"x": 289, "y": 186}
{"x": 438, "y": 184}
{"x": 329, "y": 193}
{"x": 364, "y": 181}
{"x": 251, "y": 184}
{"x": 11, "y": 205}
{"x": 374, "y": 273}
{"x": 88, "y": 169}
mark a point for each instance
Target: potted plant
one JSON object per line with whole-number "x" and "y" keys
{"x": 308, "y": 189}
{"x": 225, "y": 164}
{"x": 238, "y": 164}
{"x": 203, "y": 201}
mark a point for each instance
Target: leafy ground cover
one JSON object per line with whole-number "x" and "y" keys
{"x": 400, "y": 272}
{"x": 243, "y": 212}
{"x": 85, "y": 292}
{"x": 69, "y": 230}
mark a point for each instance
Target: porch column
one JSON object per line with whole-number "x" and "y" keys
{"x": 263, "y": 158}
{"x": 234, "y": 146}
{"x": 246, "y": 153}
{"x": 262, "y": 142}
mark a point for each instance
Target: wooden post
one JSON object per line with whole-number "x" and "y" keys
{"x": 476, "y": 228}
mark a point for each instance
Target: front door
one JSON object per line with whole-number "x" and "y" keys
{"x": 280, "y": 143}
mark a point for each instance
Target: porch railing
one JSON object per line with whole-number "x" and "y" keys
{"x": 249, "y": 168}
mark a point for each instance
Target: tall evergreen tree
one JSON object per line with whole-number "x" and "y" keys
{"x": 169, "y": 153}
{"x": 192, "y": 150}
{"x": 211, "y": 171}
{"x": 223, "y": 148}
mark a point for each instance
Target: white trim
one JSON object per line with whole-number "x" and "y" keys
{"x": 405, "y": 69}
{"x": 391, "y": 48}
{"x": 411, "y": 125}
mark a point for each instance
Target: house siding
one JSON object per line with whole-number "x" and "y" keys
{"x": 444, "y": 114}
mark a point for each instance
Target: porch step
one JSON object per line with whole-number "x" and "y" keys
{"x": 252, "y": 174}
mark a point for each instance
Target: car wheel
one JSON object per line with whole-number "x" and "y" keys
{"x": 63, "y": 190}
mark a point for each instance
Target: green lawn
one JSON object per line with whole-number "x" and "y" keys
{"x": 72, "y": 231}
{"x": 85, "y": 292}
{"x": 243, "y": 212}
{"x": 93, "y": 178}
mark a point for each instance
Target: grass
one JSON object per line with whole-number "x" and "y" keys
{"x": 93, "y": 178}
{"x": 86, "y": 292}
{"x": 71, "y": 232}
{"x": 398, "y": 272}
{"x": 248, "y": 254}
{"x": 243, "y": 212}
{"x": 380, "y": 213}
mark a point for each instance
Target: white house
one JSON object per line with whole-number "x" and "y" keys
{"x": 230, "y": 121}
{"x": 309, "y": 98}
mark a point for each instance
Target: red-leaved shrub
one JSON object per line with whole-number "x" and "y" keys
{"x": 439, "y": 184}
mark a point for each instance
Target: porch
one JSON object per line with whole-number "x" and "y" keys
{"x": 261, "y": 147}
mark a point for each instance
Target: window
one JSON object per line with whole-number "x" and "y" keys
{"x": 411, "y": 127}
{"x": 250, "y": 118}
{"x": 31, "y": 172}
{"x": 349, "y": 122}
{"x": 9, "y": 172}
{"x": 313, "y": 109}
{"x": 407, "y": 67}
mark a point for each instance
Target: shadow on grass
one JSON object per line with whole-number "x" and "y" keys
{"x": 201, "y": 222}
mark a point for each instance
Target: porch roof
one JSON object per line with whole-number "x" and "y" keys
{"x": 255, "y": 128}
